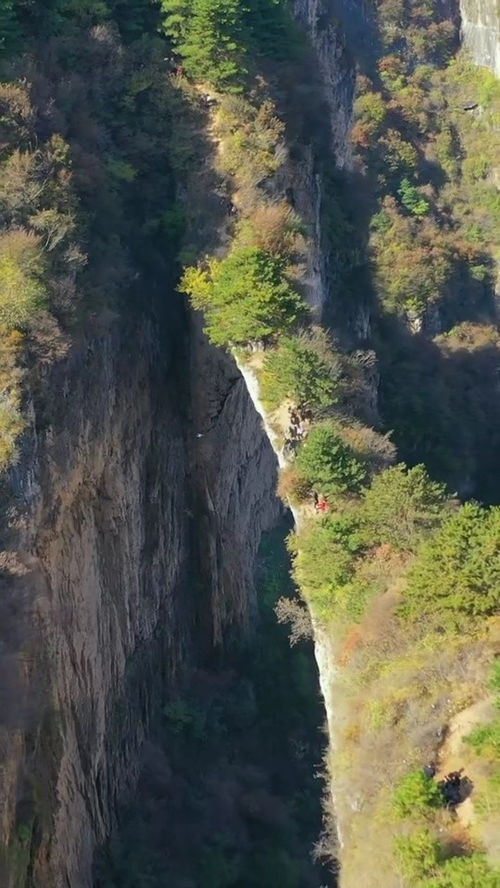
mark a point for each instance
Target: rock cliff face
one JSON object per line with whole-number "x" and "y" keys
{"x": 132, "y": 552}
{"x": 481, "y": 31}
{"x": 135, "y": 513}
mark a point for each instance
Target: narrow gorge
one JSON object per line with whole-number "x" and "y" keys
{"x": 249, "y": 370}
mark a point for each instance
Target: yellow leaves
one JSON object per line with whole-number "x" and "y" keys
{"x": 21, "y": 266}
{"x": 196, "y": 283}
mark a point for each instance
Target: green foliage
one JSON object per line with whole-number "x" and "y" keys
{"x": 418, "y": 855}
{"x": 218, "y": 38}
{"x": 326, "y": 557}
{"x": 253, "y": 137}
{"x": 495, "y": 679}
{"x": 22, "y": 292}
{"x": 417, "y": 794}
{"x": 328, "y": 463}
{"x": 371, "y": 109}
{"x": 413, "y": 199}
{"x": 302, "y": 368}
{"x": 208, "y": 36}
{"x": 465, "y": 872}
{"x": 423, "y": 864}
{"x": 456, "y": 576}
{"x": 246, "y": 297}
{"x": 485, "y": 740}
{"x": 403, "y": 506}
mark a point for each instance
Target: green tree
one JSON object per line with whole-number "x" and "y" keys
{"x": 403, "y": 505}
{"x": 413, "y": 199}
{"x": 329, "y": 465}
{"x": 246, "y": 297}
{"x": 457, "y": 572}
{"x": 208, "y": 35}
{"x": 301, "y": 368}
{"x": 417, "y": 794}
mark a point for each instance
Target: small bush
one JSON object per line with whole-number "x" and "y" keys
{"x": 418, "y": 856}
{"x": 486, "y": 740}
{"x": 330, "y": 465}
{"x": 416, "y": 794}
{"x": 413, "y": 199}
{"x": 252, "y": 137}
{"x": 275, "y": 228}
{"x": 293, "y": 486}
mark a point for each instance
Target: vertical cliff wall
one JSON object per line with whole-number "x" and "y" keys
{"x": 131, "y": 548}
{"x": 481, "y": 31}
{"x": 133, "y": 518}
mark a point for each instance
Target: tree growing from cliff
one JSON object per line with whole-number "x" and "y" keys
{"x": 328, "y": 463}
{"x": 302, "y": 368}
{"x": 246, "y": 297}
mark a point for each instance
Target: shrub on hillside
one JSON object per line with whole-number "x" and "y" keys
{"x": 418, "y": 856}
{"x": 246, "y": 297}
{"x": 369, "y": 446}
{"x": 329, "y": 464}
{"x": 274, "y": 227}
{"x": 253, "y": 139}
{"x": 326, "y": 555}
{"x": 402, "y": 506}
{"x": 485, "y": 740}
{"x": 417, "y": 794}
{"x": 293, "y": 486}
{"x": 456, "y": 576}
{"x": 22, "y": 292}
{"x": 465, "y": 872}
{"x": 302, "y": 368}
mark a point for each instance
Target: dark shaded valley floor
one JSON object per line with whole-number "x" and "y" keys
{"x": 230, "y": 791}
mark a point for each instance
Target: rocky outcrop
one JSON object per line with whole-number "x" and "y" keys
{"x": 481, "y": 31}
{"x": 336, "y": 72}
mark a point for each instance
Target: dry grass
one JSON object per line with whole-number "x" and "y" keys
{"x": 396, "y": 696}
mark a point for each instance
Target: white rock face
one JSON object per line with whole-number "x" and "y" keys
{"x": 481, "y": 31}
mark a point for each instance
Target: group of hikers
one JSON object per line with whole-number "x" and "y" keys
{"x": 451, "y": 785}
{"x": 299, "y": 421}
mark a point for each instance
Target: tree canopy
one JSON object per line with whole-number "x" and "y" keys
{"x": 246, "y": 297}
{"x": 403, "y": 505}
{"x": 457, "y": 572}
{"x": 328, "y": 463}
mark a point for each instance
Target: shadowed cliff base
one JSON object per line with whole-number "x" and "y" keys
{"x": 230, "y": 789}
